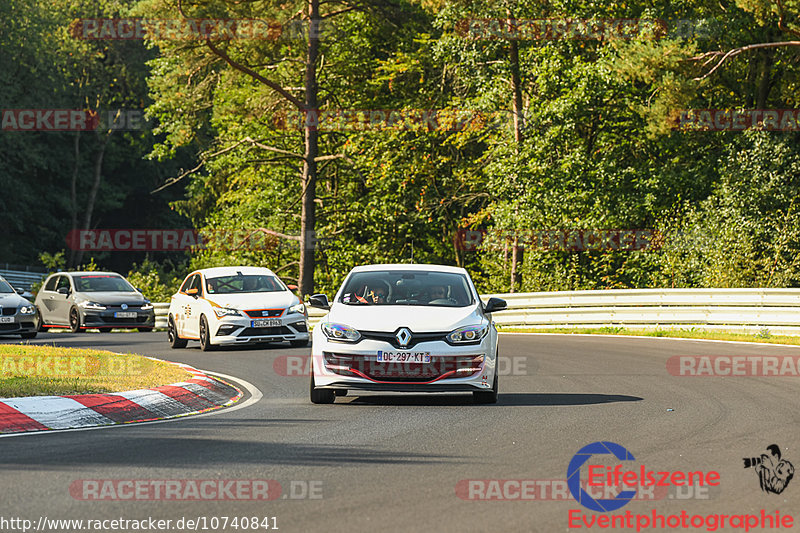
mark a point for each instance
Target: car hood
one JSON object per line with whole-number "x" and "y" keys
{"x": 255, "y": 300}
{"x": 417, "y": 318}
{"x": 12, "y": 299}
{"x": 111, "y": 298}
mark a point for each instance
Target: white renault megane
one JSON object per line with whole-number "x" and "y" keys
{"x": 405, "y": 328}
{"x": 235, "y": 305}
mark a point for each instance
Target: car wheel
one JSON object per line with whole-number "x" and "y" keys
{"x": 28, "y": 335}
{"x": 105, "y": 330}
{"x": 75, "y": 321}
{"x": 298, "y": 343}
{"x": 205, "y": 335}
{"x": 39, "y": 322}
{"x": 144, "y": 330}
{"x": 320, "y": 395}
{"x": 172, "y": 335}
{"x": 486, "y": 397}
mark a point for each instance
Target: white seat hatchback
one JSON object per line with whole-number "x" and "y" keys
{"x": 236, "y": 305}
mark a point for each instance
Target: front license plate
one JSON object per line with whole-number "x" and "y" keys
{"x": 404, "y": 357}
{"x": 265, "y": 323}
{"x": 125, "y": 314}
{"x": 6, "y": 319}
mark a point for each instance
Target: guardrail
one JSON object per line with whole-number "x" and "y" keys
{"x": 751, "y": 310}
{"x": 22, "y": 279}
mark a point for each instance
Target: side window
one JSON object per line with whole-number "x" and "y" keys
{"x": 51, "y": 284}
{"x": 197, "y": 283}
{"x": 63, "y": 282}
{"x": 186, "y": 284}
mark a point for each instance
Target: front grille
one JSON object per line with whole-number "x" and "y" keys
{"x": 264, "y": 313}
{"x": 416, "y": 338}
{"x": 131, "y": 307}
{"x": 8, "y": 311}
{"x": 141, "y": 319}
{"x": 263, "y": 332}
{"x": 451, "y": 367}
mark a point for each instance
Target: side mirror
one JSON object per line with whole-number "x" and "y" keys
{"x": 20, "y": 291}
{"x": 292, "y": 287}
{"x": 192, "y": 292}
{"x": 138, "y": 289}
{"x": 62, "y": 290}
{"x": 494, "y": 304}
{"x": 320, "y": 301}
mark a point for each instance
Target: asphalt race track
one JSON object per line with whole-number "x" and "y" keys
{"x": 393, "y": 463}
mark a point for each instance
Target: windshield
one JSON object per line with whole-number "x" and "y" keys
{"x": 244, "y": 283}
{"x": 5, "y": 287}
{"x": 407, "y": 288}
{"x": 102, "y": 283}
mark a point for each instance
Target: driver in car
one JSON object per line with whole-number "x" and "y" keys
{"x": 437, "y": 292}
{"x": 373, "y": 295}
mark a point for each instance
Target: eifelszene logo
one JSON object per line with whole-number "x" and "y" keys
{"x": 774, "y": 473}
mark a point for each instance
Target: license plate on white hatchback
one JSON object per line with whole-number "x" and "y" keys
{"x": 6, "y": 319}
{"x": 265, "y": 323}
{"x": 404, "y": 357}
{"x": 125, "y": 314}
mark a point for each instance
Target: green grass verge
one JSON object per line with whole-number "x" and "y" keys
{"x": 762, "y": 336}
{"x": 27, "y": 370}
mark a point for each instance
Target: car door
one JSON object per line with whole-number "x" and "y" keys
{"x": 61, "y": 302}
{"x": 191, "y": 307}
{"x": 45, "y": 299}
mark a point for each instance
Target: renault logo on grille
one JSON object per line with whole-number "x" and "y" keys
{"x": 403, "y": 336}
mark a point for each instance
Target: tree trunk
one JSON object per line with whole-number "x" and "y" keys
{"x": 98, "y": 175}
{"x": 516, "y": 85}
{"x": 309, "y": 177}
{"x": 73, "y": 196}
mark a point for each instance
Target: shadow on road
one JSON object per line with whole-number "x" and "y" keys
{"x": 504, "y": 399}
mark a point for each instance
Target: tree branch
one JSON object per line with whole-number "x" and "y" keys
{"x": 709, "y": 56}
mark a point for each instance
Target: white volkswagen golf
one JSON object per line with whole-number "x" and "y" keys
{"x": 236, "y": 305}
{"x": 405, "y": 328}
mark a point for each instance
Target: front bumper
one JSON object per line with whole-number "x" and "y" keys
{"x": 339, "y": 365}
{"x": 106, "y": 319}
{"x": 240, "y": 330}
{"x": 20, "y": 324}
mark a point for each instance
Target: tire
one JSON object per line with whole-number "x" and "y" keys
{"x": 486, "y": 397}
{"x": 74, "y": 321}
{"x": 205, "y": 335}
{"x": 144, "y": 330}
{"x": 172, "y": 335}
{"x": 39, "y": 322}
{"x": 105, "y": 330}
{"x": 319, "y": 395}
{"x": 299, "y": 343}
{"x": 28, "y": 335}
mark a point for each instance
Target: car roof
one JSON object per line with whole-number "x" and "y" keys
{"x": 231, "y": 271}
{"x": 90, "y": 273}
{"x": 410, "y": 266}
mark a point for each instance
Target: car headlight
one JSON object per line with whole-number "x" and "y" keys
{"x": 226, "y": 311}
{"x": 467, "y": 334}
{"x": 27, "y": 310}
{"x": 299, "y": 308}
{"x": 340, "y": 332}
{"x": 92, "y": 305}
{"x": 147, "y": 306}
